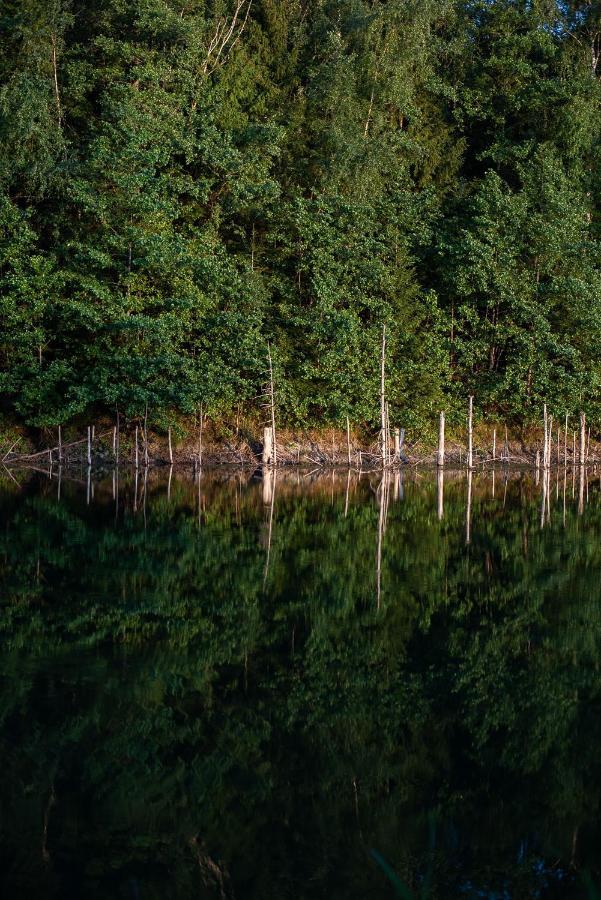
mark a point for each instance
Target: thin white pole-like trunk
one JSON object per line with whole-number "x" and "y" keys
{"x": 200, "y": 436}
{"x": 348, "y": 441}
{"x": 137, "y": 450}
{"x": 440, "y": 458}
{"x": 582, "y": 438}
{"x": 470, "y": 433}
{"x": 546, "y": 435}
{"x": 60, "y": 445}
{"x": 565, "y": 443}
{"x": 494, "y": 444}
{"x": 146, "y": 436}
{"x": 383, "y": 396}
{"x": 170, "y": 447}
{"x": 388, "y": 459}
{"x": 89, "y": 446}
{"x": 272, "y": 393}
{"x": 588, "y": 444}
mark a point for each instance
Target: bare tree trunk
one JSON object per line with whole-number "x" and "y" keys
{"x": 588, "y": 444}
{"x": 440, "y": 458}
{"x": 273, "y": 434}
{"x": 146, "y": 436}
{"x": 170, "y": 447}
{"x": 60, "y": 446}
{"x": 348, "y": 441}
{"x": 267, "y": 446}
{"x": 582, "y": 438}
{"x": 89, "y": 446}
{"x": 388, "y": 455}
{"x": 137, "y": 451}
{"x": 470, "y": 438}
{"x": 494, "y": 444}
{"x": 383, "y": 397}
{"x": 546, "y": 435}
{"x": 57, "y": 95}
{"x": 200, "y": 436}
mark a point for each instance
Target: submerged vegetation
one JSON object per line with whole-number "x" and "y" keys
{"x": 183, "y": 182}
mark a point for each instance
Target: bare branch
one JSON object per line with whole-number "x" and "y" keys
{"x": 226, "y": 36}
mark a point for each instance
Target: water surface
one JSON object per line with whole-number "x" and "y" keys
{"x": 318, "y": 686}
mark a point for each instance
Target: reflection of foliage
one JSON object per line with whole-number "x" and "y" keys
{"x": 198, "y": 723}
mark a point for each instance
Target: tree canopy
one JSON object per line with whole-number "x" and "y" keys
{"x": 184, "y": 181}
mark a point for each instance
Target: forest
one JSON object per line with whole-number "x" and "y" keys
{"x": 185, "y": 184}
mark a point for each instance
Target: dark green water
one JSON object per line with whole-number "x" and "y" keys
{"x": 215, "y": 690}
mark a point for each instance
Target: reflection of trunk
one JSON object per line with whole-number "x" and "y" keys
{"x": 214, "y": 875}
{"x": 543, "y": 510}
{"x": 49, "y": 805}
{"x": 383, "y": 492}
{"x": 468, "y": 512}
{"x": 348, "y": 485}
{"x": 574, "y": 847}
{"x": 581, "y": 491}
{"x": 116, "y": 474}
{"x": 440, "y": 492}
{"x": 269, "y": 485}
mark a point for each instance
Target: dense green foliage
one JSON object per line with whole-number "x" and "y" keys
{"x": 160, "y": 684}
{"x": 183, "y": 182}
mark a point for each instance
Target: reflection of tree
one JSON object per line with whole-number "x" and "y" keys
{"x": 158, "y": 702}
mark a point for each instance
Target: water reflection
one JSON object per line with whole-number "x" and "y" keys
{"x": 226, "y": 685}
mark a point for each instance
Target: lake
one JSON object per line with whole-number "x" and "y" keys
{"x": 311, "y": 686}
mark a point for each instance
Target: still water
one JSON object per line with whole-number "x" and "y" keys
{"x": 318, "y": 687}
